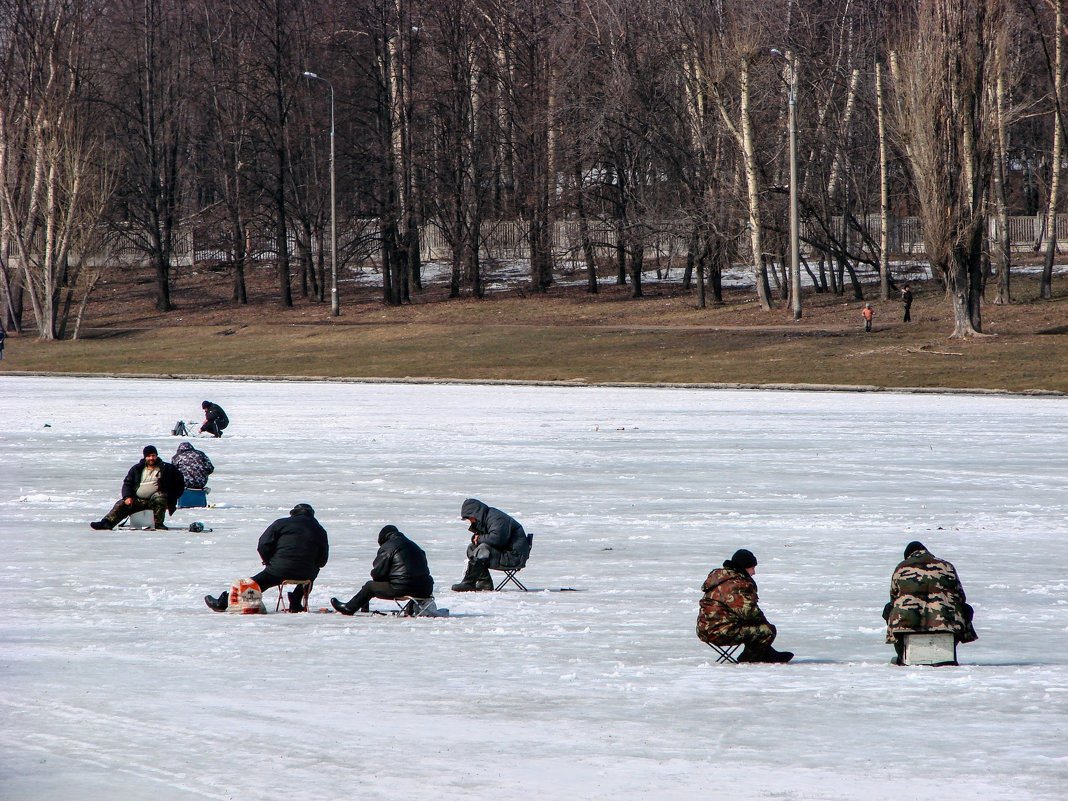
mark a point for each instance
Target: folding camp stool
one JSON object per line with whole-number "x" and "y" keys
{"x": 510, "y": 571}
{"x": 410, "y": 606}
{"x": 283, "y": 602}
{"x": 726, "y": 652}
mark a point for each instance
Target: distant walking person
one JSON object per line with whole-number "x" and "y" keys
{"x": 868, "y": 313}
{"x": 730, "y": 614}
{"x": 906, "y": 301}
{"x": 3, "y": 336}
{"x": 399, "y": 569}
{"x": 215, "y": 419}
{"x": 926, "y": 596}
{"x": 149, "y": 484}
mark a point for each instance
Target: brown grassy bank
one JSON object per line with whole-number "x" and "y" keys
{"x": 566, "y": 335}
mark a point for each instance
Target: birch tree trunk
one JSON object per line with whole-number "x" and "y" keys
{"x": 743, "y": 134}
{"x": 1046, "y": 283}
{"x": 884, "y": 190}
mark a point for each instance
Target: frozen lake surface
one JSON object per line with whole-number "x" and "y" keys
{"x": 117, "y": 683}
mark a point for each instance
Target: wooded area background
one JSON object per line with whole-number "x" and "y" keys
{"x": 131, "y": 123}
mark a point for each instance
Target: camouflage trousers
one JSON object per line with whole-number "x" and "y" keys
{"x": 759, "y": 636}
{"x": 157, "y": 503}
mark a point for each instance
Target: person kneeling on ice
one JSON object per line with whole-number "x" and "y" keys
{"x": 399, "y": 569}
{"x": 496, "y": 539}
{"x": 926, "y": 596}
{"x": 730, "y": 615}
{"x": 149, "y": 484}
{"x": 292, "y": 548}
{"x": 215, "y": 419}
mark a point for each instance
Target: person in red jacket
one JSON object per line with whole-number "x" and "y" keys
{"x": 730, "y": 614}
{"x": 868, "y": 314}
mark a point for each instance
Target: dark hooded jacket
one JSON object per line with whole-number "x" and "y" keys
{"x": 294, "y": 547}
{"x": 401, "y": 562}
{"x": 171, "y": 482}
{"x": 494, "y": 527}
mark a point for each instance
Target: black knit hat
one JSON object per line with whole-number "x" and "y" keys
{"x": 743, "y": 559}
{"x": 914, "y": 546}
{"x": 386, "y": 532}
{"x": 149, "y": 449}
{"x": 302, "y": 509}
{"x": 205, "y": 404}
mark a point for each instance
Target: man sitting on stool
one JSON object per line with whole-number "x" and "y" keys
{"x": 149, "y": 484}
{"x": 926, "y": 596}
{"x": 292, "y": 548}
{"x": 729, "y": 613}
{"x": 195, "y": 466}
{"x": 399, "y": 569}
{"x": 493, "y": 535}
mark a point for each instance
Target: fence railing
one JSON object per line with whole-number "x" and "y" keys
{"x": 503, "y": 240}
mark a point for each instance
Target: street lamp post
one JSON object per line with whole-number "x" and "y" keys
{"x": 795, "y": 235}
{"x": 335, "y": 300}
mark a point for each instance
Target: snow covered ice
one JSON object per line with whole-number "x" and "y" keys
{"x": 117, "y": 683}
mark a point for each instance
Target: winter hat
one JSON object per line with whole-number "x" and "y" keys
{"x": 205, "y": 404}
{"x": 743, "y": 559}
{"x": 302, "y": 509}
{"x": 914, "y": 546}
{"x": 149, "y": 449}
{"x": 386, "y": 533}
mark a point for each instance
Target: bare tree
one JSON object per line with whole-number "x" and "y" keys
{"x": 55, "y": 177}
{"x": 947, "y": 121}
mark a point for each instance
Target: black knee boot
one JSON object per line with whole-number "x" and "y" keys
{"x": 476, "y": 577}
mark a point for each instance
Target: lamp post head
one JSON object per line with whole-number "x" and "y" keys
{"x": 774, "y": 51}
{"x": 310, "y": 74}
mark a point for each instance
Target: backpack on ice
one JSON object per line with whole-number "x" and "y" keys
{"x": 246, "y": 598}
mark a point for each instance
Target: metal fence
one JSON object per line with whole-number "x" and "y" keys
{"x": 359, "y": 241}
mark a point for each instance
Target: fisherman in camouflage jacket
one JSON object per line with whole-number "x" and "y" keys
{"x": 729, "y": 614}
{"x": 926, "y": 596}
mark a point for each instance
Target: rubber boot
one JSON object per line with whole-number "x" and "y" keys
{"x": 217, "y": 604}
{"x": 349, "y": 607}
{"x": 484, "y": 581}
{"x": 765, "y": 654}
{"x": 471, "y": 577}
{"x": 296, "y": 601}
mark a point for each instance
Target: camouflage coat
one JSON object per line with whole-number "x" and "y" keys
{"x": 729, "y": 612}
{"x": 926, "y": 595}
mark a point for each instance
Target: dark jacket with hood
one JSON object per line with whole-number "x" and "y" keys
{"x": 294, "y": 547}
{"x": 401, "y": 562}
{"x": 171, "y": 483}
{"x": 494, "y": 527}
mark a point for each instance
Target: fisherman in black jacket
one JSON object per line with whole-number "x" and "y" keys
{"x": 215, "y": 419}
{"x": 399, "y": 569}
{"x": 293, "y": 548}
{"x": 149, "y": 484}
{"x": 497, "y": 540}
